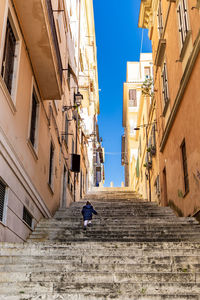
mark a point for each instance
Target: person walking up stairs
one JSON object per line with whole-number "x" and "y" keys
{"x": 134, "y": 250}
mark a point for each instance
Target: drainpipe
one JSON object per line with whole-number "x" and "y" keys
{"x": 149, "y": 179}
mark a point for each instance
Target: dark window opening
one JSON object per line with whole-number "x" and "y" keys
{"x": 185, "y": 168}
{"x": 33, "y": 119}
{"x": 51, "y": 158}
{"x": 8, "y": 57}
{"x": 27, "y": 217}
{"x": 2, "y": 199}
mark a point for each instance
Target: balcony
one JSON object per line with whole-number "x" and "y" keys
{"x": 38, "y": 27}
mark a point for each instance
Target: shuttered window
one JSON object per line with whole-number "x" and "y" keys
{"x": 27, "y": 217}
{"x": 183, "y": 20}
{"x": 2, "y": 199}
{"x": 165, "y": 84}
{"x": 160, "y": 20}
{"x": 34, "y": 113}
{"x": 8, "y": 57}
{"x": 185, "y": 168}
{"x": 132, "y": 98}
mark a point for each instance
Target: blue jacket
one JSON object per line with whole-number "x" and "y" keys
{"x": 87, "y": 212}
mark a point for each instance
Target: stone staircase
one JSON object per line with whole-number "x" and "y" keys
{"x": 134, "y": 250}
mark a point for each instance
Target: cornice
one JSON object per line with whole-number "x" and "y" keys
{"x": 145, "y": 13}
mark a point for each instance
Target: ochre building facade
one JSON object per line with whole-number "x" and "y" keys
{"x": 174, "y": 29}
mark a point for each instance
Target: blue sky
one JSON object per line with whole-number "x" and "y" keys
{"x": 118, "y": 40}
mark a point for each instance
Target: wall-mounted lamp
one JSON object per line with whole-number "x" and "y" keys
{"x": 77, "y": 99}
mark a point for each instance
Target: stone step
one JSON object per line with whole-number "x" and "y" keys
{"x": 94, "y": 296}
{"x": 50, "y": 265}
{"x": 164, "y": 246}
{"x": 108, "y": 290}
{"x": 138, "y": 221}
{"x": 95, "y": 226}
{"x": 99, "y": 277}
{"x": 99, "y": 239}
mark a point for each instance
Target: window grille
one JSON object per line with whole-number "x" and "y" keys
{"x": 165, "y": 84}
{"x": 51, "y": 158}
{"x": 27, "y": 217}
{"x": 160, "y": 19}
{"x": 8, "y": 57}
{"x": 183, "y": 20}
{"x": 33, "y": 119}
{"x": 132, "y": 98}
{"x": 2, "y": 199}
{"x": 185, "y": 168}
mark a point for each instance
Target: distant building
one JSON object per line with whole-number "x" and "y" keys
{"x": 137, "y": 72}
{"x": 174, "y": 29}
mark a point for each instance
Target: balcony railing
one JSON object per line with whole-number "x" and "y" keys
{"x": 54, "y": 35}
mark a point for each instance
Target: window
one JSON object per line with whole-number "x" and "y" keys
{"x": 185, "y": 169}
{"x": 34, "y": 119}
{"x": 68, "y": 76}
{"x": 2, "y": 200}
{"x": 153, "y": 135}
{"x": 132, "y": 98}
{"x": 157, "y": 185}
{"x": 7, "y": 70}
{"x": 27, "y": 217}
{"x": 160, "y": 19}
{"x": 165, "y": 90}
{"x": 51, "y": 162}
{"x": 183, "y": 20}
{"x": 147, "y": 72}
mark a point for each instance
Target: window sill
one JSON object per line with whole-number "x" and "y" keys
{"x": 186, "y": 193}
{"x": 7, "y": 95}
{"x": 185, "y": 45}
{"x": 50, "y": 188}
{"x": 3, "y": 224}
{"x": 160, "y": 52}
{"x": 29, "y": 227}
{"x": 32, "y": 149}
{"x": 165, "y": 108}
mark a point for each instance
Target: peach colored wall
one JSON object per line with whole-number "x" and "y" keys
{"x": 186, "y": 126}
{"x": 187, "y": 121}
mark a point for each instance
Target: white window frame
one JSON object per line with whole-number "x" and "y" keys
{"x": 10, "y": 14}
{"x": 183, "y": 20}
